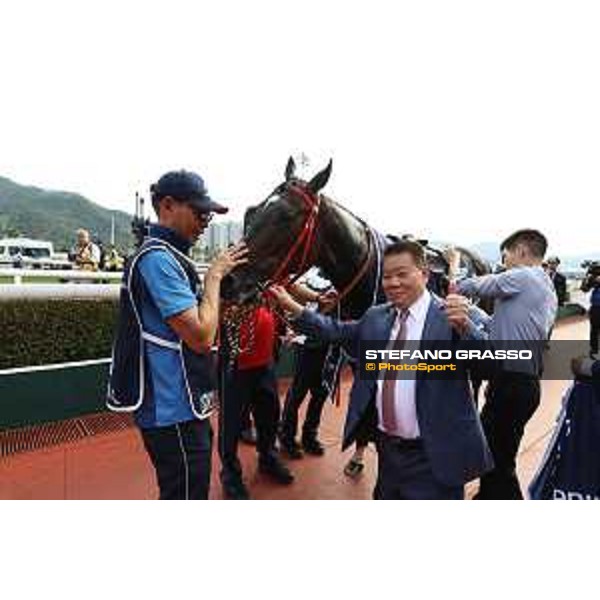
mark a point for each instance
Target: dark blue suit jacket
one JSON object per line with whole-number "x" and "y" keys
{"x": 447, "y": 416}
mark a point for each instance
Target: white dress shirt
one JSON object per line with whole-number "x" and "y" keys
{"x": 405, "y": 396}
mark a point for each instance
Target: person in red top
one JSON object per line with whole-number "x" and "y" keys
{"x": 260, "y": 352}
{"x": 251, "y": 383}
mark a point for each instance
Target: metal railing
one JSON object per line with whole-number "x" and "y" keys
{"x": 72, "y": 284}
{"x": 70, "y": 275}
{"x": 17, "y": 275}
{"x": 59, "y": 291}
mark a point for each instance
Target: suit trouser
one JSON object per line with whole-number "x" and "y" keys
{"x": 404, "y": 473}
{"x": 594, "y": 328}
{"x": 255, "y": 388}
{"x": 181, "y": 456}
{"x": 511, "y": 400}
{"x": 308, "y": 371}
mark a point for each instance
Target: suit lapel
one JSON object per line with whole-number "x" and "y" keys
{"x": 434, "y": 327}
{"x": 384, "y": 326}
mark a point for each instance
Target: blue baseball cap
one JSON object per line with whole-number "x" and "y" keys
{"x": 186, "y": 186}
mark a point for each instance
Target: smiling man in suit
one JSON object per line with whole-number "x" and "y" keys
{"x": 427, "y": 432}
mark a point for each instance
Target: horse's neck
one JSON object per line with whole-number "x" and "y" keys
{"x": 342, "y": 251}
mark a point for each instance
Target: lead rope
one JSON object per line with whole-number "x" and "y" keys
{"x": 338, "y": 391}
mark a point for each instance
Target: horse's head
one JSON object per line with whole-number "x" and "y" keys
{"x": 279, "y": 233}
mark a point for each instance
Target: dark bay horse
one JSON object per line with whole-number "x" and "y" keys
{"x": 297, "y": 227}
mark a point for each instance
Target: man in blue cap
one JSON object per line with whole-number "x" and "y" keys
{"x": 162, "y": 365}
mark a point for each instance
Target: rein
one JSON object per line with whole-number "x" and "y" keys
{"x": 361, "y": 271}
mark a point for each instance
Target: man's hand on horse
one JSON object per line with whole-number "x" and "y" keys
{"x": 328, "y": 300}
{"x": 457, "y": 311}
{"x": 228, "y": 260}
{"x": 284, "y": 299}
{"x": 289, "y": 336}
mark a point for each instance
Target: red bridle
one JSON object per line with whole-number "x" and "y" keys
{"x": 304, "y": 241}
{"x": 304, "y": 244}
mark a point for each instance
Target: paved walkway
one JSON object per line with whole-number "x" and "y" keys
{"x": 114, "y": 466}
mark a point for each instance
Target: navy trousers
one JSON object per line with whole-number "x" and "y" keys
{"x": 181, "y": 456}
{"x": 308, "y": 369}
{"x": 241, "y": 388}
{"x": 404, "y": 473}
{"x": 511, "y": 400}
{"x": 594, "y": 328}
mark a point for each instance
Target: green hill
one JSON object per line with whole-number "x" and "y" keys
{"x": 55, "y": 216}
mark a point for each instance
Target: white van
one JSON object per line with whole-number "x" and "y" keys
{"x": 28, "y": 254}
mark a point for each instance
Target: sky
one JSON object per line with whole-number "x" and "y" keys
{"x": 460, "y": 121}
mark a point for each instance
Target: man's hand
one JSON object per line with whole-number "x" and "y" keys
{"x": 582, "y": 365}
{"x": 288, "y": 338}
{"x": 198, "y": 330}
{"x": 228, "y": 260}
{"x": 328, "y": 300}
{"x": 284, "y": 299}
{"x": 452, "y": 255}
{"x": 457, "y": 311}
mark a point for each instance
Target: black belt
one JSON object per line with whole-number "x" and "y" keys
{"x": 516, "y": 376}
{"x": 399, "y": 442}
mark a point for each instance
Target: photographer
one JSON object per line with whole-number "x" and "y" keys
{"x": 591, "y": 281}
{"x": 86, "y": 254}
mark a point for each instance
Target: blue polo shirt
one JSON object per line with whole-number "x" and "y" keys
{"x": 168, "y": 293}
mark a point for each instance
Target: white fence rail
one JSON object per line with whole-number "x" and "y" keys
{"x": 74, "y": 284}
{"x": 59, "y": 291}
{"x": 17, "y": 275}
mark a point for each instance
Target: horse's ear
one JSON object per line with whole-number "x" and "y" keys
{"x": 290, "y": 168}
{"x": 319, "y": 181}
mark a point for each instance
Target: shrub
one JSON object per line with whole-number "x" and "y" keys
{"x": 39, "y": 332}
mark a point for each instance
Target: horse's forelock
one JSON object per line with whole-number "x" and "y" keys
{"x": 248, "y": 217}
{"x": 278, "y": 200}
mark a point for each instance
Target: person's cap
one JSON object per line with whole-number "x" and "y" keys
{"x": 553, "y": 260}
{"x": 186, "y": 186}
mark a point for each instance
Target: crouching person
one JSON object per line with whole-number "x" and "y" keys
{"x": 162, "y": 368}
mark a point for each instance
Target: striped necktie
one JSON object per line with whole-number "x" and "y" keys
{"x": 388, "y": 390}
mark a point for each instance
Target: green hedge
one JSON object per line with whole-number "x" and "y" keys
{"x": 570, "y": 310}
{"x": 40, "y": 332}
